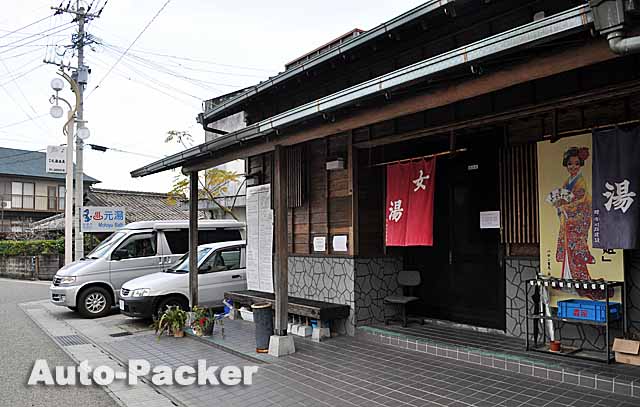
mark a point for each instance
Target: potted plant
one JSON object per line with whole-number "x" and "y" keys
{"x": 203, "y": 321}
{"x": 172, "y": 322}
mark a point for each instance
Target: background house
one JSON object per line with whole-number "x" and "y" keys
{"x": 235, "y": 196}
{"x": 27, "y": 191}
{"x": 139, "y": 206}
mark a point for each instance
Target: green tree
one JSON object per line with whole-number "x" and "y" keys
{"x": 213, "y": 182}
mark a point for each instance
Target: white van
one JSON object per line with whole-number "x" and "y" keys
{"x": 92, "y": 285}
{"x": 221, "y": 268}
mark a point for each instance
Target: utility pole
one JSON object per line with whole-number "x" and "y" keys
{"x": 80, "y": 76}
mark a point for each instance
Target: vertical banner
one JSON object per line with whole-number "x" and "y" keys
{"x": 616, "y": 185}
{"x": 410, "y": 194}
{"x": 397, "y": 203}
{"x": 565, "y": 207}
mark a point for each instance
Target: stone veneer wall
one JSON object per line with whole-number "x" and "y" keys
{"x": 327, "y": 279}
{"x": 376, "y": 278}
{"x": 518, "y": 270}
{"x": 632, "y": 279}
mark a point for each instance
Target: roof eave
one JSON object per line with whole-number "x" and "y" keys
{"x": 565, "y": 23}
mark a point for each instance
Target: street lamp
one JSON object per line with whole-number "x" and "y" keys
{"x": 83, "y": 133}
{"x": 56, "y": 112}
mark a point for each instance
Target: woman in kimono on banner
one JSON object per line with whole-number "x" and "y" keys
{"x": 573, "y": 203}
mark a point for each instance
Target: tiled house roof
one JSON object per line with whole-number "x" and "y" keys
{"x": 28, "y": 163}
{"x": 138, "y": 205}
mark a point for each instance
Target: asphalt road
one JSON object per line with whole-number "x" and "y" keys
{"x": 21, "y": 343}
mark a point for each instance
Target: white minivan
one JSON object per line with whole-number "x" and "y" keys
{"x": 221, "y": 268}
{"x": 92, "y": 285}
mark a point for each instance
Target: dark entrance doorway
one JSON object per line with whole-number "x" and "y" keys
{"x": 463, "y": 278}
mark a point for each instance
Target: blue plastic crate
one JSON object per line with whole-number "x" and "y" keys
{"x": 588, "y": 310}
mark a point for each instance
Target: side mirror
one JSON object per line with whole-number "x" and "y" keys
{"x": 205, "y": 269}
{"x": 119, "y": 255}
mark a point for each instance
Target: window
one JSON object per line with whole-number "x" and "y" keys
{"x": 178, "y": 240}
{"x": 51, "y": 198}
{"x": 28, "y": 195}
{"x": 222, "y": 260}
{"x": 61, "y": 197}
{"x": 141, "y": 245}
{"x": 23, "y": 195}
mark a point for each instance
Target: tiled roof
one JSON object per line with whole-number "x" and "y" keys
{"x": 138, "y": 205}
{"x": 29, "y": 164}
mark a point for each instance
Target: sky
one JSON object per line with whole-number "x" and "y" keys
{"x": 192, "y": 51}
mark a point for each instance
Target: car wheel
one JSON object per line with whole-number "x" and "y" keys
{"x": 94, "y": 302}
{"x": 74, "y": 309}
{"x": 173, "y": 301}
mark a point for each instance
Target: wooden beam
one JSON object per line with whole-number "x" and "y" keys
{"x": 193, "y": 239}
{"x": 543, "y": 66}
{"x": 599, "y": 95}
{"x": 280, "y": 260}
{"x": 352, "y": 165}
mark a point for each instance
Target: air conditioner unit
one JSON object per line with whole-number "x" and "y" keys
{"x": 6, "y": 204}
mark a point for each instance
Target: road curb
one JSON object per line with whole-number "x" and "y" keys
{"x": 122, "y": 363}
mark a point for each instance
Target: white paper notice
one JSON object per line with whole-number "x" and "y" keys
{"x": 490, "y": 220}
{"x": 340, "y": 243}
{"x": 259, "y": 239}
{"x": 319, "y": 244}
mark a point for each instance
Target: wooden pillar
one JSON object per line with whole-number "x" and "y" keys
{"x": 280, "y": 259}
{"x": 193, "y": 238}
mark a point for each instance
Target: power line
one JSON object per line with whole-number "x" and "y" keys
{"x": 132, "y": 54}
{"x": 35, "y": 49}
{"x": 26, "y": 26}
{"x": 23, "y": 121}
{"x": 201, "y": 61}
{"x": 161, "y": 69}
{"x": 158, "y": 88}
{"x": 20, "y": 75}
{"x": 130, "y": 45}
{"x": 41, "y": 34}
{"x": 18, "y": 104}
{"x": 100, "y": 148}
{"x": 2, "y": 51}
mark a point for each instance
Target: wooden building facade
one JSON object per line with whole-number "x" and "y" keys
{"x": 482, "y": 82}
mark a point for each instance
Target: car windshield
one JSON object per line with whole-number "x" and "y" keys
{"x": 182, "y": 266}
{"x": 105, "y": 245}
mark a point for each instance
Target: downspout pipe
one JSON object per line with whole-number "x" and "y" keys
{"x": 621, "y": 45}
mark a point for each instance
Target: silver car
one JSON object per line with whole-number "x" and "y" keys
{"x": 92, "y": 285}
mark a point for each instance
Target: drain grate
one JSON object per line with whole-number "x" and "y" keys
{"x": 119, "y": 334}
{"x": 70, "y": 340}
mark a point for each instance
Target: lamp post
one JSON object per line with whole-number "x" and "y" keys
{"x": 56, "y": 111}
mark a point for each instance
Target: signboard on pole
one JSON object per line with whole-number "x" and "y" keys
{"x": 102, "y": 218}
{"x": 56, "y": 159}
{"x": 259, "y": 239}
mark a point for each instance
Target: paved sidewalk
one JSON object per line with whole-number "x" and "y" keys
{"x": 338, "y": 372}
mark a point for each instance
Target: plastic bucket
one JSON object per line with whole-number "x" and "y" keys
{"x": 263, "y": 319}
